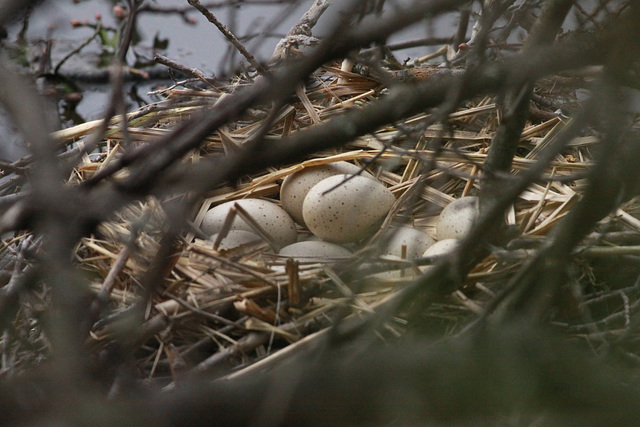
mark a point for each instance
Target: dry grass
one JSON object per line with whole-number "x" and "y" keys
{"x": 223, "y": 311}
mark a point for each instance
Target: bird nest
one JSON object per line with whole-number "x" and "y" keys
{"x": 228, "y": 311}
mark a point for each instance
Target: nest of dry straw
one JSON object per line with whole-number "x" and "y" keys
{"x": 224, "y": 311}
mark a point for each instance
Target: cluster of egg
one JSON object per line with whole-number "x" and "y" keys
{"x": 339, "y": 204}
{"x": 454, "y": 222}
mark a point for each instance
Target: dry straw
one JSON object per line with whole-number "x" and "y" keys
{"x": 218, "y": 310}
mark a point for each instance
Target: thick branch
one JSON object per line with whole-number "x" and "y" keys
{"x": 516, "y": 100}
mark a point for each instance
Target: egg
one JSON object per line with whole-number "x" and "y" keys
{"x": 457, "y": 218}
{"x": 296, "y": 186}
{"x": 393, "y": 274}
{"x": 442, "y": 247}
{"x": 353, "y": 210}
{"x": 274, "y": 220}
{"x": 415, "y": 241}
{"x": 235, "y": 238}
{"x": 315, "y": 251}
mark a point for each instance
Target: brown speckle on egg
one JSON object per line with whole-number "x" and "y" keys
{"x": 295, "y": 187}
{"x": 348, "y": 213}
{"x": 271, "y": 217}
{"x": 457, "y": 218}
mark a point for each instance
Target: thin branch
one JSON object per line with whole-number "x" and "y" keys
{"x": 228, "y": 34}
{"x": 79, "y": 48}
{"x": 161, "y": 59}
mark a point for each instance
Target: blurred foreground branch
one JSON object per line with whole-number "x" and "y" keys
{"x": 505, "y": 364}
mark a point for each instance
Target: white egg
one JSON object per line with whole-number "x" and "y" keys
{"x": 315, "y": 251}
{"x": 406, "y": 273}
{"x": 235, "y": 238}
{"x": 274, "y": 220}
{"x": 442, "y": 247}
{"x": 353, "y": 210}
{"x": 415, "y": 241}
{"x": 296, "y": 186}
{"x": 457, "y": 218}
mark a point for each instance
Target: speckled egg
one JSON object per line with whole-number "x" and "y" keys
{"x": 271, "y": 217}
{"x": 415, "y": 241}
{"x": 441, "y": 247}
{"x": 315, "y": 251}
{"x": 296, "y": 186}
{"x": 355, "y": 209}
{"x": 457, "y": 218}
{"x": 235, "y": 238}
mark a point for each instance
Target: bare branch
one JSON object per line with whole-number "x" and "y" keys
{"x": 228, "y": 34}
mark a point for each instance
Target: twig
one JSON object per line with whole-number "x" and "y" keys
{"x": 79, "y": 48}
{"x": 161, "y": 59}
{"x": 428, "y": 41}
{"x": 228, "y": 34}
{"x": 127, "y": 34}
{"x": 463, "y": 25}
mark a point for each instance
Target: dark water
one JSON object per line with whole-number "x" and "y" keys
{"x": 199, "y": 45}
{"x": 187, "y": 38}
